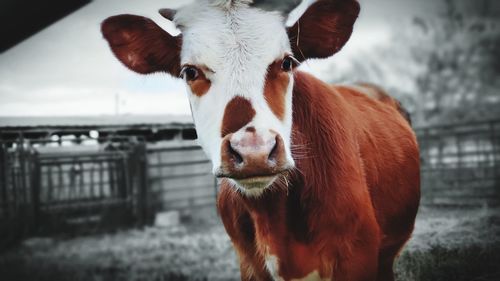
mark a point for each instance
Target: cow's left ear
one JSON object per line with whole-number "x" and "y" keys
{"x": 141, "y": 45}
{"x": 323, "y": 29}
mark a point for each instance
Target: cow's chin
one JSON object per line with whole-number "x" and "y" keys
{"x": 254, "y": 186}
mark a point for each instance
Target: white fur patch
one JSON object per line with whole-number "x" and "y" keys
{"x": 313, "y": 276}
{"x": 228, "y": 4}
{"x": 238, "y": 44}
{"x": 272, "y": 266}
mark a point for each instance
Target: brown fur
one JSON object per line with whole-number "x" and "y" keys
{"x": 386, "y": 98}
{"x": 323, "y": 29}
{"x": 379, "y": 94}
{"x": 238, "y": 113}
{"x": 350, "y": 206}
{"x": 200, "y": 85}
{"x": 275, "y": 88}
{"x": 141, "y": 45}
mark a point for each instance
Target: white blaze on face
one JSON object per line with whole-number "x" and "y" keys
{"x": 237, "y": 43}
{"x": 240, "y": 58}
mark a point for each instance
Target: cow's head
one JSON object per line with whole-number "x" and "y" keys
{"x": 237, "y": 62}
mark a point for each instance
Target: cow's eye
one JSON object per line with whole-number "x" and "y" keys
{"x": 189, "y": 73}
{"x": 289, "y": 63}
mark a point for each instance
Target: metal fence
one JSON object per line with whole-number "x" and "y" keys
{"x": 180, "y": 178}
{"x": 16, "y": 197}
{"x": 125, "y": 182}
{"x": 460, "y": 164}
{"x": 71, "y": 191}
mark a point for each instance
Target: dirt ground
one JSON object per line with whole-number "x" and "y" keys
{"x": 448, "y": 244}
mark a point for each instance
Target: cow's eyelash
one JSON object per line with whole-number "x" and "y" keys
{"x": 202, "y": 68}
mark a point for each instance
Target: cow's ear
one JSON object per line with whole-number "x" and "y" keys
{"x": 323, "y": 29}
{"x": 141, "y": 45}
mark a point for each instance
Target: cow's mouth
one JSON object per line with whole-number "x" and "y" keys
{"x": 256, "y": 182}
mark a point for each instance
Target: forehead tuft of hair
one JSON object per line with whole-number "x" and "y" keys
{"x": 229, "y": 4}
{"x": 206, "y": 10}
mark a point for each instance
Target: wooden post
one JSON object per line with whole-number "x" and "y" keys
{"x": 3, "y": 179}
{"x": 101, "y": 180}
{"x": 111, "y": 176}
{"x": 496, "y": 151}
{"x": 35, "y": 190}
{"x": 21, "y": 154}
{"x": 144, "y": 210}
{"x": 26, "y": 205}
{"x": 124, "y": 184}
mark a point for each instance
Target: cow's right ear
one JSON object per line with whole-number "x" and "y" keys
{"x": 323, "y": 28}
{"x": 141, "y": 45}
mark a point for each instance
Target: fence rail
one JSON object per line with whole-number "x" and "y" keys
{"x": 125, "y": 182}
{"x": 460, "y": 163}
{"x": 181, "y": 178}
{"x": 52, "y": 192}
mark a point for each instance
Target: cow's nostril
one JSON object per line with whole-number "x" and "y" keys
{"x": 274, "y": 151}
{"x": 234, "y": 154}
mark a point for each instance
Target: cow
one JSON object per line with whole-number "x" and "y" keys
{"x": 318, "y": 181}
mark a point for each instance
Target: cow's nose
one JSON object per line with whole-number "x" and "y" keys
{"x": 251, "y": 155}
{"x": 252, "y": 149}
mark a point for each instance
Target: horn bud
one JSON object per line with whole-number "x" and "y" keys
{"x": 169, "y": 14}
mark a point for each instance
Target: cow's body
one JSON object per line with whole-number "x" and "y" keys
{"x": 351, "y": 205}
{"x": 318, "y": 181}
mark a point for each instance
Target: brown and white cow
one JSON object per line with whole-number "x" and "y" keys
{"x": 318, "y": 181}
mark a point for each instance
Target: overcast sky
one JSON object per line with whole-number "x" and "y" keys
{"x": 68, "y": 69}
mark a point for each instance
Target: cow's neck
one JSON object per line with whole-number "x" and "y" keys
{"x": 325, "y": 166}
{"x": 288, "y": 221}
{"x": 327, "y": 153}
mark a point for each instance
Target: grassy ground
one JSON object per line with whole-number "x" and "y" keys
{"x": 447, "y": 245}
{"x": 453, "y": 245}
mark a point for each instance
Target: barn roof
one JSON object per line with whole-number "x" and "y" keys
{"x": 151, "y": 128}
{"x": 91, "y": 121}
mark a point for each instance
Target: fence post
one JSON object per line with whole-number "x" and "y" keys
{"x": 496, "y": 151}
{"x": 111, "y": 176}
{"x": 124, "y": 177}
{"x": 35, "y": 168}
{"x": 3, "y": 179}
{"x": 25, "y": 205}
{"x": 142, "y": 180}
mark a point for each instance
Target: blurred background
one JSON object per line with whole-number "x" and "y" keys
{"x": 101, "y": 177}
